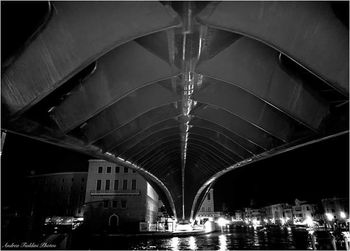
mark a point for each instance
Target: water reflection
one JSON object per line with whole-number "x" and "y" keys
{"x": 192, "y": 243}
{"x": 237, "y": 238}
{"x": 256, "y": 238}
{"x": 222, "y": 242}
{"x": 174, "y": 243}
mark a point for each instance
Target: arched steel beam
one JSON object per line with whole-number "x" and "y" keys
{"x": 157, "y": 128}
{"x": 170, "y": 149}
{"x": 236, "y": 125}
{"x": 138, "y": 125}
{"x": 255, "y": 68}
{"x": 164, "y": 165}
{"x": 307, "y": 32}
{"x": 77, "y": 34}
{"x": 119, "y": 73}
{"x": 213, "y": 148}
{"x": 262, "y": 156}
{"x": 164, "y": 127}
{"x": 214, "y": 144}
{"x": 165, "y": 156}
{"x": 160, "y": 168}
{"x": 204, "y": 125}
{"x": 248, "y": 108}
{"x": 245, "y": 143}
{"x": 144, "y": 151}
{"x": 126, "y": 110}
{"x": 222, "y": 139}
{"x": 199, "y": 148}
{"x": 168, "y": 140}
{"x": 150, "y": 142}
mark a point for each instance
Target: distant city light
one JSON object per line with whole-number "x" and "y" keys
{"x": 222, "y": 222}
{"x": 342, "y": 215}
{"x": 283, "y": 221}
{"x": 255, "y": 222}
{"x": 329, "y": 216}
{"x": 208, "y": 226}
{"x": 175, "y": 243}
{"x": 184, "y": 227}
{"x": 309, "y": 221}
{"x": 192, "y": 243}
{"x": 223, "y": 242}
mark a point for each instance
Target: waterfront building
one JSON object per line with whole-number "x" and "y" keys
{"x": 57, "y": 194}
{"x": 279, "y": 213}
{"x": 302, "y": 211}
{"x": 206, "y": 211}
{"x": 238, "y": 215}
{"x": 118, "y": 198}
{"x": 336, "y": 209}
{"x": 253, "y": 214}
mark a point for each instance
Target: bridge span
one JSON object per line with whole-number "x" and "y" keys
{"x": 183, "y": 92}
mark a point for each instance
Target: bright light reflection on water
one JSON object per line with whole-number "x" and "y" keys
{"x": 175, "y": 243}
{"x": 192, "y": 243}
{"x": 223, "y": 242}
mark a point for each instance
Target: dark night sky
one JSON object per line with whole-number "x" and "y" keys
{"x": 310, "y": 173}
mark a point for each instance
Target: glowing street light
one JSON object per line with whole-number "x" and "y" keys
{"x": 309, "y": 221}
{"x": 342, "y": 215}
{"x": 222, "y": 222}
{"x": 329, "y": 216}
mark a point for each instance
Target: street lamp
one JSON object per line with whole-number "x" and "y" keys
{"x": 329, "y": 216}
{"x": 342, "y": 215}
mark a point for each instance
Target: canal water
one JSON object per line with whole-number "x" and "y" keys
{"x": 242, "y": 238}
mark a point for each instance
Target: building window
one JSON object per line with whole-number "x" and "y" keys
{"x": 109, "y": 169}
{"x": 125, "y": 169}
{"x": 100, "y": 169}
{"x": 82, "y": 179}
{"x": 72, "y": 179}
{"x": 98, "y": 187}
{"x": 116, "y": 184}
{"x": 108, "y": 183}
{"x": 115, "y": 203}
{"x": 133, "y": 185}
{"x": 105, "y": 203}
{"x": 307, "y": 208}
{"x": 117, "y": 169}
{"x": 123, "y": 203}
{"x": 208, "y": 197}
{"x": 125, "y": 184}
{"x": 209, "y": 209}
{"x": 134, "y": 171}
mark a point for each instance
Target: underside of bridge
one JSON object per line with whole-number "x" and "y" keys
{"x": 181, "y": 91}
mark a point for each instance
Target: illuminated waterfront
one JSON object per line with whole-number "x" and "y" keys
{"x": 239, "y": 238}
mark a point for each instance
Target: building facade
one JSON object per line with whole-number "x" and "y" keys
{"x": 57, "y": 194}
{"x": 117, "y": 198}
{"x": 302, "y": 211}
{"x": 206, "y": 210}
{"x": 336, "y": 209}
